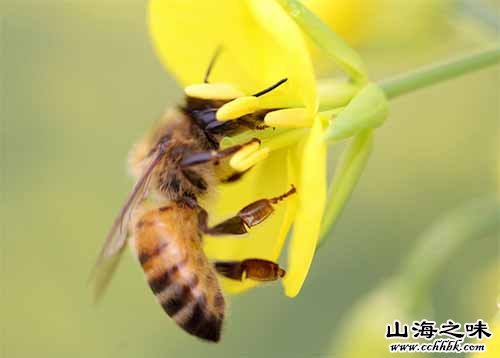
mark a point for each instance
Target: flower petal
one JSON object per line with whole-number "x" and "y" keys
{"x": 260, "y": 45}
{"x": 325, "y": 38}
{"x": 311, "y": 204}
{"x": 264, "y": 241}
{"x": 346, "y": 17}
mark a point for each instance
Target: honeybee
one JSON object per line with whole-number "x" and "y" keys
{"x": 176, "y": 164}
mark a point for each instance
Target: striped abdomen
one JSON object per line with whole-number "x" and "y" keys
{"x": 179, "y": 274}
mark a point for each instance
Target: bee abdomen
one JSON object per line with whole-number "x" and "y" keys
{"x": 178, "y": 271}
{"x": 187, "y": 305}
{"x": 196, "y": 318}
{"x": 171, "y": 291}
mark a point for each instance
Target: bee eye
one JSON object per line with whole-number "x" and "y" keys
{"x": 205, "y": 117}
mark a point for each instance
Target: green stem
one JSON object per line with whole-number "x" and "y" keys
{"x": 428, "y": 76}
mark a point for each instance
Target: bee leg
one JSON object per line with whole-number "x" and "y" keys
{"x": 213, "y": 155}
{"x": 251, "y": 215}
{"x": 231, "y": 226}
{"x": 255, "y": 269}
{"x": 235, "y": 176}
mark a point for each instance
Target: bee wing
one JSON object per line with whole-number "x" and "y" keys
{"x": 110, "y": 254}
{"x": 103, "y": 272}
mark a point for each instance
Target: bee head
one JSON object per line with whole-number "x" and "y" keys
{"x": 212, "y": 104}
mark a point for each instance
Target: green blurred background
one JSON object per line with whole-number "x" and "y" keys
{"x": 81, "y": 83}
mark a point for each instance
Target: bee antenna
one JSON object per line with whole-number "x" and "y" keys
{"x": 216, "y": 54}
{"x": 270, "y": 88}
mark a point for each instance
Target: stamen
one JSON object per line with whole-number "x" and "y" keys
{"x": 244, "y": 152}
{"x": 254, "y": 152}
{"x": 287, "y": 138}
{"x": 248, "y": 135}
{"x": 248, "y": 156}
{"x": 238, "y": 108}
{"x": 289, "y": 118}
{"x": 244, "y": 105}
{"x": 213, "y": 91}
{"x": 248, "y": 162}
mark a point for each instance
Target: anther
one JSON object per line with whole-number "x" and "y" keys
{"x": 238, "y": 108}
{"x": 244, "y": 152}
{"x": 245, "y": 105}
{"x": 248, "y": 156}
{"x": 289, "y": 118}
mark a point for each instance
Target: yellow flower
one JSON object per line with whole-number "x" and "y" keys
{"x": 261, "y": 44}
{"x": 347, "y": 17}
{"x": 383, "y": 22}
